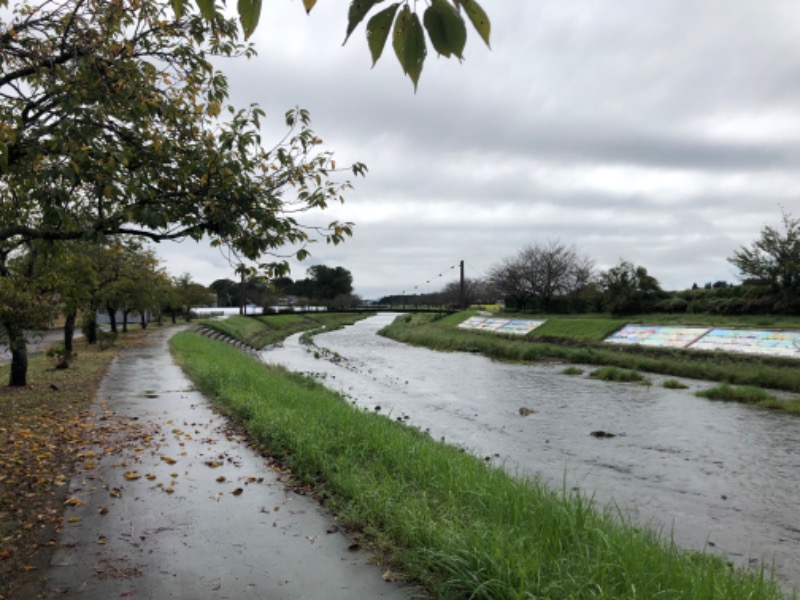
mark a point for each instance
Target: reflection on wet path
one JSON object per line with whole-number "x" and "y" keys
{"x": 716, "y": 476}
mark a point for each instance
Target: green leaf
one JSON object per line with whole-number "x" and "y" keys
{"x": 409, "y": 43}
{"x": 358, "y": 10}
{"x": 479, "y": 18}
{"x": 308, "y": 5}
{"x": 446, "y": 28}
{"x": 249, "y": 13}
{"x": 207, "y": 8}
{"x": 179, "y": 6}
{"x": 378, "y": 28}
{"x": 3, "y": 158}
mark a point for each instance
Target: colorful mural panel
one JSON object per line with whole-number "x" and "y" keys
{"x": 751, "y": 341}
{"x": 654, "y": 335}
{"x": 519, "y": 327}
{"x": 511, "y": 326}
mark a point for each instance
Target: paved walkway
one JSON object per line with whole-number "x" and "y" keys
{"x": 183, "y": 509}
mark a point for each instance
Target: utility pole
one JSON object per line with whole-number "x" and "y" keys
{"x": 463, "y": 291}
{"x": 242, "y": 299}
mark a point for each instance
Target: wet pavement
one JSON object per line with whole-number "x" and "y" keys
{"x": 172, "y": 504}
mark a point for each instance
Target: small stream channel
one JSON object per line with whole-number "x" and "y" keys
{"x": 719, "y": 477}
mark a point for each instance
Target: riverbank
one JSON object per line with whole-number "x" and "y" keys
{"x": 449, "y": 519}
{"x": 580, "y": 341}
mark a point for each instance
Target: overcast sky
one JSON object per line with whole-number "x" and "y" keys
{"x": 665, "y": 132}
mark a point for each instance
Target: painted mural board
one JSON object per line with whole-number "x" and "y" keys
{"x": 511, "y": 326}
{"x": 656, "y": 335}
{"x": 752, "y": 341}
{"x": 519, "y": 327}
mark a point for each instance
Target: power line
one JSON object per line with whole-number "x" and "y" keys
{"x": 427, "y": 281}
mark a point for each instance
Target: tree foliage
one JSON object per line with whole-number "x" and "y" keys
{"x": 774, "y": 259}
{"x": 442, "y": 20}
{"x": 542, "y": 271}
{"x": 114, "y": 122}
{"x": 629, "y": 289}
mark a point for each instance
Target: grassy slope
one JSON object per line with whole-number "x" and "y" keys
{"x": 264, "y": 330}
{"x": 464, "y": 529}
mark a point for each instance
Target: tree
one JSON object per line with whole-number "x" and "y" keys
{"x": 112, "y": 124}
{"x": 26, "y": 302}
{"x": 330, "y": 282}
{"x": 191, "y": 294}
{"x": 542, "y": 271}
{"x": 774, "y": 258}
{"x": 629, "y": 289}
{"x": 227, "y": 292}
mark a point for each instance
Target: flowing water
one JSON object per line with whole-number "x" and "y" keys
{"x": 720, "y": 477}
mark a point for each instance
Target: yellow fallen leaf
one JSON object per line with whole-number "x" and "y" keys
{"x": 168, "y": 460}
{"x": 132, "y": 475}
{"x": 73, "y": 519}
{"x": 73, "y": 501}
{"x": 150, "y": 476}
{"x": 237, "y": 492}
{"x": 169, "y": 490}
{"x": 220, "y": 479}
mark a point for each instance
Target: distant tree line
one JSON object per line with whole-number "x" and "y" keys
{"x": 331, "y": 287}
{"x": 555, "y": 277}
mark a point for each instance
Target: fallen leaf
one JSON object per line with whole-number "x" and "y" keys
{"x": 168, "y": 460}
{"x": 237, "y": 492}
{"x": 220, "y": 479}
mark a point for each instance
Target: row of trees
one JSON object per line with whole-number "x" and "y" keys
{"x": 115, "y": 126}
{"x": 323, "y": 286}
{"x": 76, "y": 279}
{"x": 555, "y": 277}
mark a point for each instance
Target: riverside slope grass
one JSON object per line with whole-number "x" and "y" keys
{"x": 457, "y": 526}
{"x": 260, "y": 331}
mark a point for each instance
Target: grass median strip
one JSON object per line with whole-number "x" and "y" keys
{"x": 460, "y": 527}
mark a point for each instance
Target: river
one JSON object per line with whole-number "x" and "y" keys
{"x": 719, "y": 477}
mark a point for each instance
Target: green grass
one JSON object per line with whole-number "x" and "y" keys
{"x": 684, "y": 319}
{"x": 572, "y": 371}
{"x": 582, "y": 329}
{"x": 619, "y": 375}
{"x": 264, "y": 330}
{"x": 458, "y": 526}
{"x": 673, "y": 384}
{"x": 750, "y": 395}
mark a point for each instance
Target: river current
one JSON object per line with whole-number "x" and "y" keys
{"x": 719, "y": 477}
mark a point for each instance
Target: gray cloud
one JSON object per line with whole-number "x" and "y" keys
{"x": 661, "y": 131}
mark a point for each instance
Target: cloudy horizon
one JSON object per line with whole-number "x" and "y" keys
{"x": 661, "y": 132}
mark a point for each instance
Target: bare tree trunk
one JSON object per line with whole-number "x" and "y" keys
{"x": 18, "y": 376}
{"x": 69, "y": 334}
{"x": 143, "y": 321}
{"x": 112, "y": 318}
{"x": 90, "y": 328}
{"x": 125, "y": 320}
